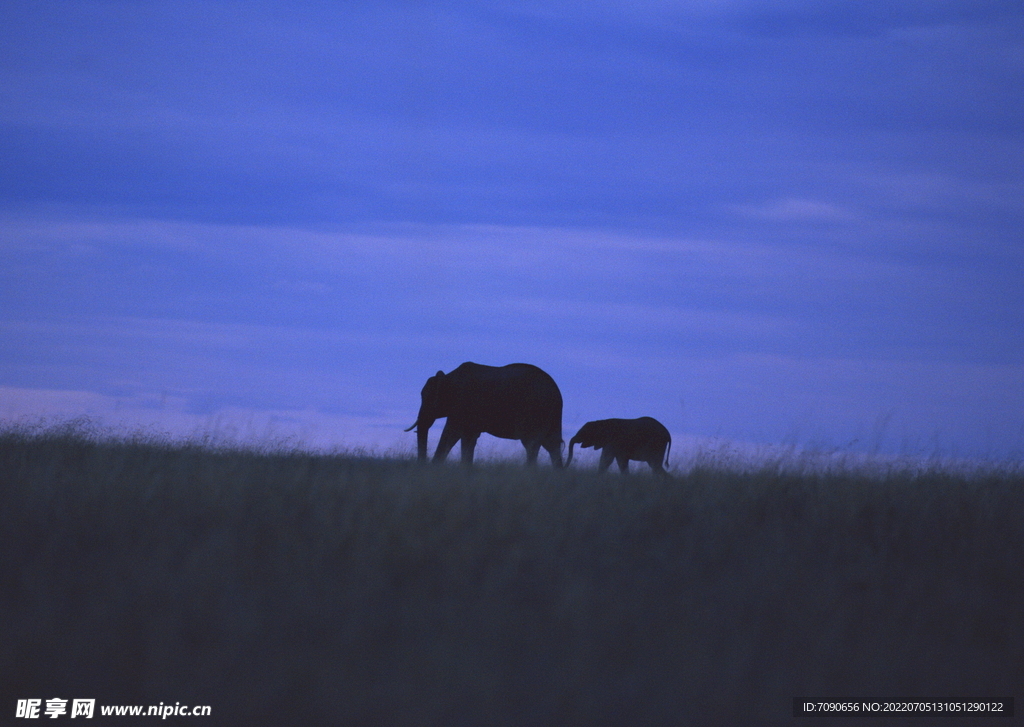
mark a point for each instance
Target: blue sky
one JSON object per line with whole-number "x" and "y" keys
{"x": 764, "y": 222}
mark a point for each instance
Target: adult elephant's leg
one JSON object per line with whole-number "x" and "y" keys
{"x": 606, "y": 459}
{"x": 532, "y": 448}
{"x": 468, "y": 447}
{"x": 623, "y": 463}
{"x": 555, "y": 450}
{"x": 449, "y": 436}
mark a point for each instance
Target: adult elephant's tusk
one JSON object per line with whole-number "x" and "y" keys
{"x": 412, "y": 427}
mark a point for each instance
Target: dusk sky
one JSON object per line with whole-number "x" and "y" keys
{"x": 791, "y": 222}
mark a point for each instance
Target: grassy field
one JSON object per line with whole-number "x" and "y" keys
{"x": 292, "y": 588}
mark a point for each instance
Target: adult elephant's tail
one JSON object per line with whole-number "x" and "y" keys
{"x": 667, "y": 450}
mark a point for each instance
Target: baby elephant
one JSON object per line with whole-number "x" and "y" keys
{"x": 644, "y": 439}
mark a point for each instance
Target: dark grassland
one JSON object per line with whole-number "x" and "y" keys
{"x": 292, "y": 588}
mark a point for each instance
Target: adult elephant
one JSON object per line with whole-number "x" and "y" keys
{"x": 644, "y": 439}
{"x": 518, "y": 401}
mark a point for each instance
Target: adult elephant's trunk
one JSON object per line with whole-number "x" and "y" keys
{"x": 422, "y": 427}
{"x": 572, "y": 443}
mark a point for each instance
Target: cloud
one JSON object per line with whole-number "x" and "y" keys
{"x": 458, "y": 114}
{"x": 461, "y": 282}
{"x": 798, "y": 210}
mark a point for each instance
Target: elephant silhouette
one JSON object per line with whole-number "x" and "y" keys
{"x": 644, "y": 440}
{"x": 518, "y": 401}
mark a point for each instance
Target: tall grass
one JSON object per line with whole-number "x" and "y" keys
{"x": 283, "y": 587}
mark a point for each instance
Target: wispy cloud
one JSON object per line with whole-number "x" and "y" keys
{"x": 798, "y": 210}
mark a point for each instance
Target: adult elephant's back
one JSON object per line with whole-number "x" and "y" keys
{"x": 517, "y": 401}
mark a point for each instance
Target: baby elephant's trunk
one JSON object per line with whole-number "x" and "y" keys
{"x": 572, "y": 443}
